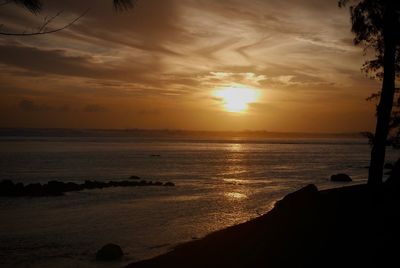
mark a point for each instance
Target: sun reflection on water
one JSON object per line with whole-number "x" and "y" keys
{"x": 235, "y": 147}
{"x": 236, "y": 196}
{"x": 235, "y": 181}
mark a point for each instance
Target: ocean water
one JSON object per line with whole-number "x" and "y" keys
{"x": 219, "y": 183}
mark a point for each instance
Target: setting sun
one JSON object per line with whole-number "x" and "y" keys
{"x": 236, "y": 99}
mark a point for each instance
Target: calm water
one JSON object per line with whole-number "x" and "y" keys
{"x": 218, "y": 183}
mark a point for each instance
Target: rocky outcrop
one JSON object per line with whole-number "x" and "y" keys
{"x": 304, "y": 197}
{"x": 57, "y": 188}
{"x": 109, "y": 252}
{"x": 353, "y": 226}
{"x": 341, "y": 177}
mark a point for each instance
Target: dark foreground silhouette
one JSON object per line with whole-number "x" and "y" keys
{"x": 57, "y": 188}
{"x": 355, "y": 226}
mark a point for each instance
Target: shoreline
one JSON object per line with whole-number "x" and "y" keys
{"x": 350, "y": 226}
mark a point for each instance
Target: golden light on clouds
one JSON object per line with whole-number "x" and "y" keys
{"x": 158, "y": 65}
{"x": 236, "y": 99}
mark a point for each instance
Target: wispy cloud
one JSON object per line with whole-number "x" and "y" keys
{"x": 94, "y": 108}
{"x": 172, "y": 54}
{"x": 31, "y": 106}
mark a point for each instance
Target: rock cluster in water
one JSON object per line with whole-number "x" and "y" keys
{"x": 341, "y": 177}
{"x": 109, "y": 252}
{"x": 57, "y": 188}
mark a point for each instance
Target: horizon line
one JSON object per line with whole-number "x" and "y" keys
{"x": 181, "y": 130}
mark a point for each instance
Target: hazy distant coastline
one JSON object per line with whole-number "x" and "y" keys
{"x": 172, "y": 133}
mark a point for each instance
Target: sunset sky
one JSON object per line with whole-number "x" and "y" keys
{"x": 165, "y": 63}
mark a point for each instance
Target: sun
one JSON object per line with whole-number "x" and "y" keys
{"x": 236, "y": 99}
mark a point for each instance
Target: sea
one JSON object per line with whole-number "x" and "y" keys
{"x": 219, "y": 182}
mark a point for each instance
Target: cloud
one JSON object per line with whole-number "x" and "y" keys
{"x": 225, "y": 78}
{"x": 177, "y": 52}
{"x": 48, "y": 61}
{"x": 30, "y": 106}
{"x": 123, "y": 76}
{"x": 163, "y": 39}
{"x": 94, "y": 108}
{"x": 148, "y": 112}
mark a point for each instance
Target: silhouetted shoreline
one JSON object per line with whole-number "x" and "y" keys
{"x": 355, "y": 226}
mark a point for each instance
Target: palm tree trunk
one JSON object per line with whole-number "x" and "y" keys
{"x": 386, "y": 100}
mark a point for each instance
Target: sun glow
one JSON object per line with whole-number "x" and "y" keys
{"x": 236, "y": 99}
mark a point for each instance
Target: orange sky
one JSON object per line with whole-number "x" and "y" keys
{"x": 159, "y": 65}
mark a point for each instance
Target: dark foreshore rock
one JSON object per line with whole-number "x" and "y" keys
{"x": 57, "y": 188}
{"x": 19, "y": 189}
{"x": 341, "y": 177}
{"x": 134, "y": 178}
{"x": 71, "y": 186}
{"x": 109, "y": 252}
{"x": 143, "y": 183}
{"x": 354, "y": 226}
{"x": 304, "y": 197}
{"x": 7, "y": 187}
{"x": 54, "y": 188}
{"x": 34, "y": 189}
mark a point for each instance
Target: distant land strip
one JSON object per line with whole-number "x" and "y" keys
{"x": 165, "y": 133}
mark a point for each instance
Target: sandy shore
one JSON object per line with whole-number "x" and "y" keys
{"x": 355, "y": 226}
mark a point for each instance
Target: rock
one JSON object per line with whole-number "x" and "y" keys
{"x": 304, "y": 197}
{"x": 33, "y": 189}
{"x": 109, "y": 252}
{"x": 54, "y": 188}
{"x": 57, "y": 188}
{"x": 71, "y": 186}
{"x": 134, "y": 178}
{"x": 341, "y": 177}
{"x": 7, "y": 188}
{"x": 19, "y": 189}
{"x": 143, "y": 183}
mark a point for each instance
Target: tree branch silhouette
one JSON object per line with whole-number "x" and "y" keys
{"x": 35, "y": 6}
{"x": 43, "y": 28}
